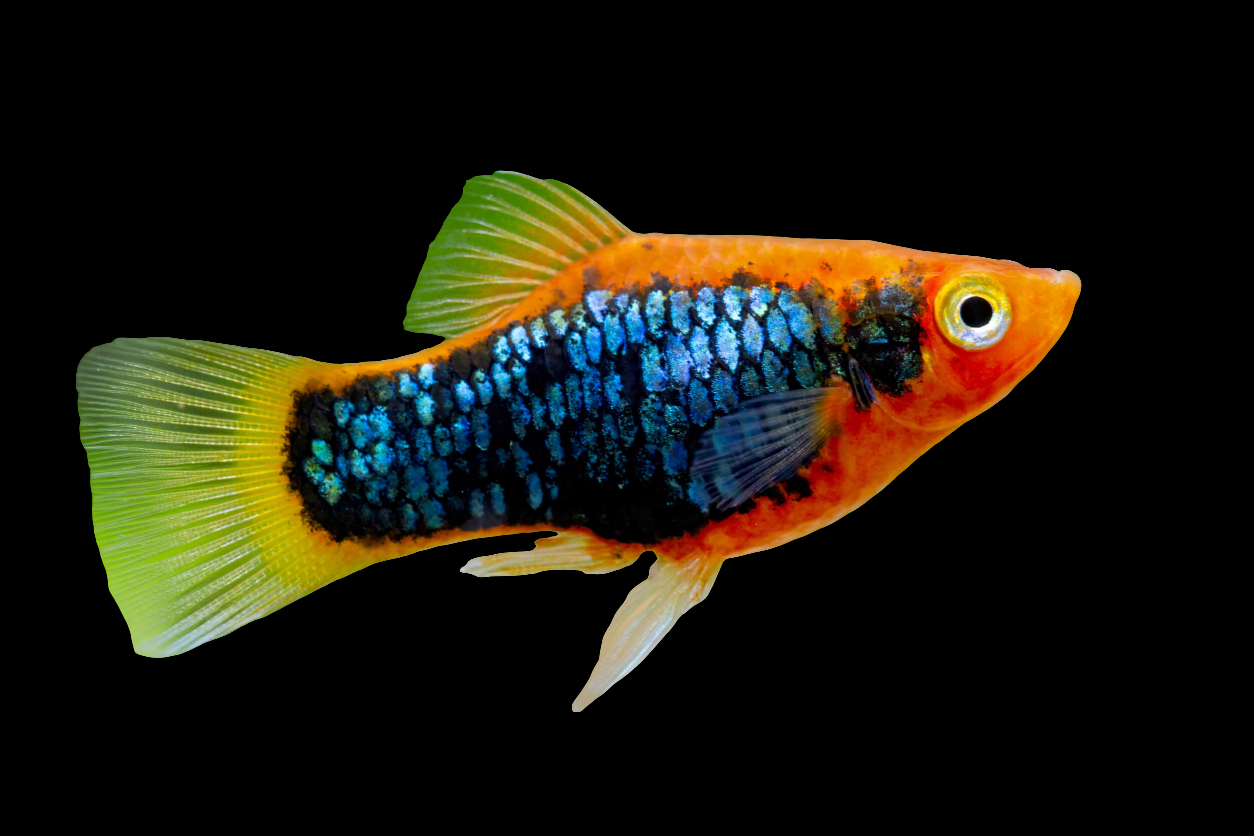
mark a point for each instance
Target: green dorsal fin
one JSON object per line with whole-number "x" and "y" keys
{"x": 507, "y": 235}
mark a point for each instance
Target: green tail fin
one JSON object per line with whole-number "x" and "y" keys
{"x": 507, "y": 235}
{"x": 197, "y": 528}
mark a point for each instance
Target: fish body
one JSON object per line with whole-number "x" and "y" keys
{"x": 701, "y": 397}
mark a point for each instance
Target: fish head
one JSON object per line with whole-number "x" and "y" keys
{"x": 985, "y": 326}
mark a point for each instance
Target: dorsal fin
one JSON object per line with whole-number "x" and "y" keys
{"x": 508, "y": 234}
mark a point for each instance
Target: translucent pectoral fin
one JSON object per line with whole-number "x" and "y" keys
{"x": 648, "y": 614}
{"x": 568, "y": 550}
{"x": 763, "y": 443}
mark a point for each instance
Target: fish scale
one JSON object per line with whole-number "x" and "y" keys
{"x": 578, "y": 465}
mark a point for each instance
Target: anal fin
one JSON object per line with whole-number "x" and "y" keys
{"x": 568, "y": 550}
{"x": 648, "y": 614}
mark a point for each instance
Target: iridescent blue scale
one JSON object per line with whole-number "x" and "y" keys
{"x": 624, "y": 385}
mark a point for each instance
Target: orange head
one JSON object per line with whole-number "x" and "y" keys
{"x": 986, "y": 325}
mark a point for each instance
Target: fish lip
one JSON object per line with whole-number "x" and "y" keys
{"x": 1069, "y": 279}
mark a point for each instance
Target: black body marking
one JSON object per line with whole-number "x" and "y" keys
{"x": 591, "y": 417}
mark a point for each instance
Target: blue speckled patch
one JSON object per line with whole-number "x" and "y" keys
{"x": 803, "y": 370}
{"x": 538, "y": 412}
{"x": 343, "y": 412}
{"x": 461, "y": 433}
{"x": 314, "y": 471}
{"x": 331, "y": 489}
{"x": 557, "y": 320}
{"x": 518, "y": 339}
{"x": 699, "y": 406}
{"x": 759, "y": 300}
{"x": 598, "y": 303}
{"x": 751, "y": 334}
{"x": 557, "y": 404}
{"x": 539, "y": 333}
{"x": 699, "y": 350}
{"x": 724, "y": 391}
{"x": 777, "y": 330}
{"x": 359, "y": 465}
{"x": 574, "y": 397}
{"x": 750, "y": 384}
{"x": 655, "y": 313}
{"x": 614, "y": 335}
{"x": 406, "y": 387}
{"x": 651, "y": 368}
{"x": 575, "y": 353}
{"x": 322, "y": 452}
{"x": 359, "y": 431}
{"x": 464, "y": 395}
{"x": 704, "y": 307}
{"x": 734, "y": 301}
{"x": 482, "y": 387}
{"x": 635, "y": 380}
{"x": 500, "y": 379}
{"x": 773, "y": 372}
{"x": 678, "y": 361}
{"x": 635, "y": 324}
{"x": 443, "y": 441}
{"x": 592, "y": 345}
{"x": 680, "y": 307}
{"x": 613, "y": 386}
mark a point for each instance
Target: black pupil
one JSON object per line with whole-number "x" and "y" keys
{"x": 975, "y": 312}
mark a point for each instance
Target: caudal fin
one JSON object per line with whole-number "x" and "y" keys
{"x": 196, "y": 525}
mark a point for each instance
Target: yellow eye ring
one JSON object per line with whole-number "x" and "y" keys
{"x": 973, "y": 312}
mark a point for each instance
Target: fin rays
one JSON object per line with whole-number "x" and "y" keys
{"x": 761, "y": 444}
{"x": 508, "y": 230}
{"x": 192, "y": 514}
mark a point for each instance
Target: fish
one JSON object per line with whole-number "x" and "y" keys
{"x": 697, "y": 397}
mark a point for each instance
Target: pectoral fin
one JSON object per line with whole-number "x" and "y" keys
{"x": 764, "y": 442}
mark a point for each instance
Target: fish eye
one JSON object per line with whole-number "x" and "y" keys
{"x": 973, "y": 311}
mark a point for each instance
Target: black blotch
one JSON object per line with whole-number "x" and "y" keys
{"x": 555, "y": 360}
{"x": 743, "y": 278}
{"x": 774, "y": 494}
{"x": 647, "y": 246}
{"x": 809, "y": 294}
{"x": 660, "y": 282}
{"x": 591, "y": 276}
{"x": 798, "y": 487}
{"x": 443, "y": 404}
{"x": 826, "y": 266}
{"x": 401, "y": 415}
{"x": 460, "y": 361}
{"x": 443, "y": 374}
{"x": 481, "y": 354}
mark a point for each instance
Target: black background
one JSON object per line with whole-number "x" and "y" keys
{"x": 966, "y": 585}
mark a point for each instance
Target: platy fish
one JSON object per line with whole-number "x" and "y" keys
{"x": 700, "y": 397}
